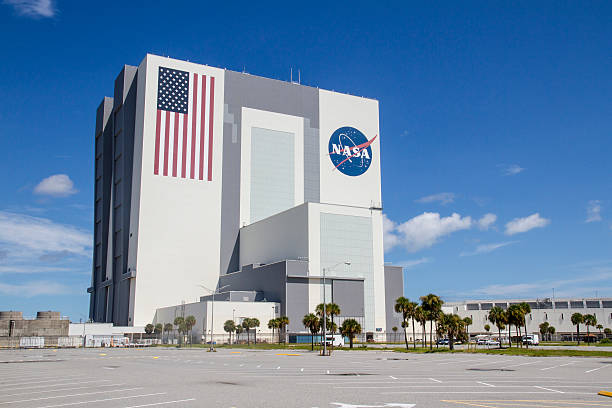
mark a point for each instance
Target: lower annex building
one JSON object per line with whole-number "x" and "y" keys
{"x": 210, "y": 178}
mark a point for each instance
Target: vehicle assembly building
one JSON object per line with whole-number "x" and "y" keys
{"x": 210, "y": 178}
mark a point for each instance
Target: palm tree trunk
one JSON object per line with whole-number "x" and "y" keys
{"x": 499, "y": 334}
{"x": 311, "y": 341}
{"x": 509, "y": 335}
{"x": 405, "y": 336}
{"x": 431, "y": 334}
{"x": 578, "y": 333}
{"x": 413, "y": 335}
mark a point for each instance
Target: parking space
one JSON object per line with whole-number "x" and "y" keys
{"x": 248, "y": 378}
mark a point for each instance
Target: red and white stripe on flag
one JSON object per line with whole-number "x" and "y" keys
{"x": 184, "y": 141}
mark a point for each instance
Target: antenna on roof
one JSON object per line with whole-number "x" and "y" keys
{"x": 291, "y": 77}
{"x": 299, "y": 77}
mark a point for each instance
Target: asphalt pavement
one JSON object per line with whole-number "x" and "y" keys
{"x": 160, "y": 377}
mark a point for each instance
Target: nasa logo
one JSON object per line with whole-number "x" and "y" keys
{"x": 350, "y": 151}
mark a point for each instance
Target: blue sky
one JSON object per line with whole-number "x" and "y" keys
{"x": 496, "y": 123}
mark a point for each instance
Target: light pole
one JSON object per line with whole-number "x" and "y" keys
{"x": 212, "y": 314}
{"x": 348, "y": 263}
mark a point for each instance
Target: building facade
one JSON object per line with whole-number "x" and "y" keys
{"x": 205, "y": 176}
{"x": 557, "y": 313}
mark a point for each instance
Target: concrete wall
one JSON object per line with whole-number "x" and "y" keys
{"x": 282, "y": 236}
{"x": 394, "y": 288}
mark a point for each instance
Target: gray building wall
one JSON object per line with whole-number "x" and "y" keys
{"x": 394, "y": 288}
{"x": 115, "y": 122}
{"x": 247, "y": 91}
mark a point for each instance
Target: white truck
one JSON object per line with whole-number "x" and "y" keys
{"x": 531, "y": 339}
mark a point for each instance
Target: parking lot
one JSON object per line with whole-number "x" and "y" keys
{"x": 248, "y": 378}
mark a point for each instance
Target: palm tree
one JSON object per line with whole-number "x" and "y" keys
{"x": 589, "y": 320}
{"x": 178, "y": 323}
{"x": 577, "y": 318}
{"x": 149, "y": 328}
{"x": 350, "y": 328}
{"x": 159, "y": 328}
{"x": 283, "y": 322}
{"x": 468, "y": 322}
{"x": 168, "y": 327}
{"x": 273, "y": 324}
{"x": 394, "y": 328}
{"x": 239, "y": 329}
{"x": 497, "y": 316}
{"x": 607, "y": 331}
{"x": 551, "y": 331}
{"x": 402, "y": 305}
{"x": 229, "y": 326}
{"x": 254, "y": 324}
{"x": 525, "y": 309}
{"x": 311, "y": 322}
{"x": 246, "y": 324}
{"x": 190, "y": 321}
{"x": 452, "y": 325}
{"x": 544, "y": 329}
{"x": 515, "y": 317}
{"x": 432, "y": 305}
{"x": 599, "y": 327}
{"x": 487, "y": 328}
{"x": 419, "y": 316}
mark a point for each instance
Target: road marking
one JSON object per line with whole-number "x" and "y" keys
{"x": 433, "y": 379}
{"x": 61, "y": 389}
{"x": 161, "y": 403}
{"x": 288, "y": 354}
{"x": 393, "y": 377}
{"x": 102, "y": 400}
{"x": 522, "y": 364}
{"x": 327, "y": 372}
{"x": 55, "y": 385}
{"x": 549, "y": 389}
{"x": 595, "y": 369}
{"x": 71, "y": 395}
{"x": 302, "y": 369}
{"x": 557, "y": 366}
{"x": 259, "y": 366}
{"x": 278, "y": 368}
{"x": 484, "y": 383}
{"x": 27, "y": 381}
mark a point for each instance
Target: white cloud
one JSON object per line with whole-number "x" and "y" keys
{"x": 486, "y": 248}
{"x": 33, "y": 288}
{"x": 426, "y": 229}
{"x": 443, "y": 198}
{"x": 594, "y": 211}
{"x": 413, "y": 262}
{"x": 390, "y": 238}
{"x": 33, "y": 8}
{"x": 486, "y": 221}
{"x": 38, "y": 236}
{"x": 525, "y": 224}
{"x": 511, "y": 169}
{"x": 57, "y": 185}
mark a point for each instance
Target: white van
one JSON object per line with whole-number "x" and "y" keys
{"x": 531, "y": 339}
{"x": 337, "y": 340}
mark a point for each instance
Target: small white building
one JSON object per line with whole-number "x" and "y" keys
{"x": 210, "y": 318}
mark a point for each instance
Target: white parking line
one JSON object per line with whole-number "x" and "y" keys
{"x": 27, "y": 381}
{"x": 56, "y": 385}
{"x": 71, "y": 395}
{"x": 433, "y": 379}
{"x": 161, "y": 403}
{"x": 522, "y": 364}
{"x": 557, "y": 366}
{"x": 595, "y": 369}
{"x": 62, "y": 389}
{"x": 484, "y": 383}
{"x": 549, "y": 389}
{"x": 102, "y": 400}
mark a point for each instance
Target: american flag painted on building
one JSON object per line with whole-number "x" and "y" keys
{"x": 184, "y": 126}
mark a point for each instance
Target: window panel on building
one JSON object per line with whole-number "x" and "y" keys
{"x": 272, "y": 172}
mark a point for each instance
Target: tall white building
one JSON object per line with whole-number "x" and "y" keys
{"x": 211, "y": 177}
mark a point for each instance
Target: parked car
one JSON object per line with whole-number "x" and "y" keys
{"x": 442, "y": 342}
{"x": 492, "y": 342}
{"x": 531, "y": 339}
